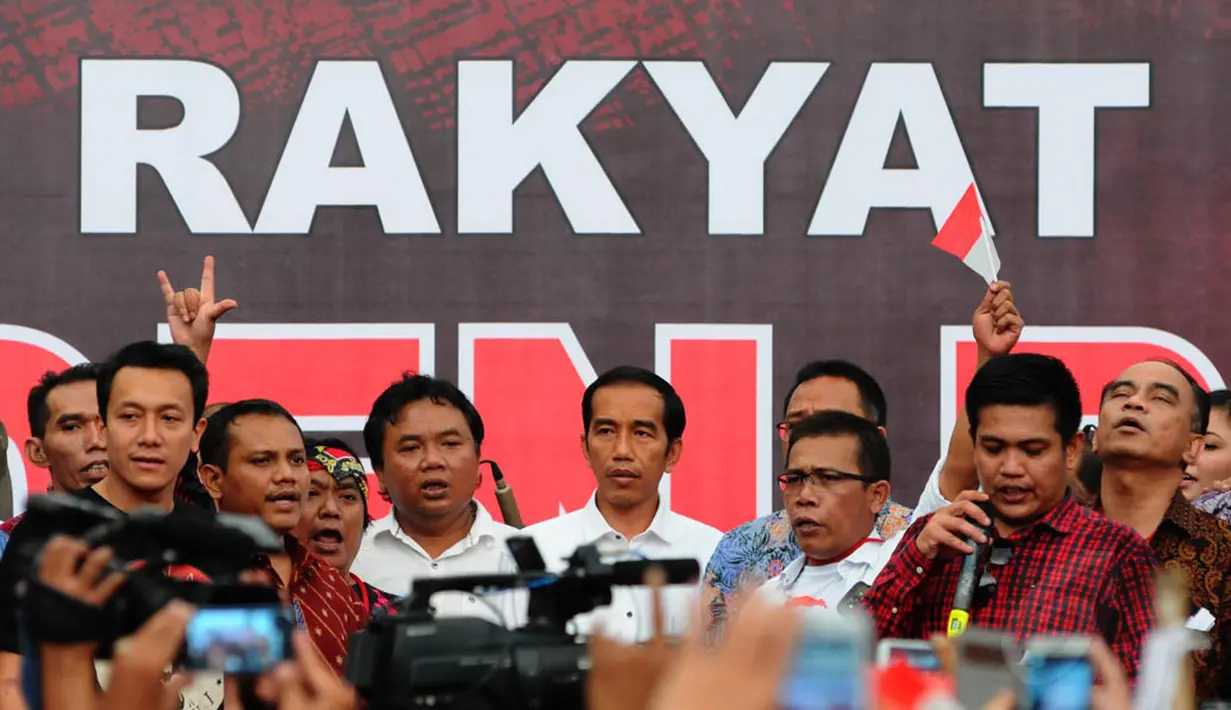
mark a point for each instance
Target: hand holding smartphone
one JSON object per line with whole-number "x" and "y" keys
{"x": 1059, "y": 673}
{"x": 830, "y": 667}
{"x": 239, "y": 640}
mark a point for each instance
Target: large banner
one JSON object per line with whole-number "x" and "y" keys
{"x": 520, "y": 194}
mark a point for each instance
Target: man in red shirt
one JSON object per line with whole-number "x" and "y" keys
{"x": 253, "y": 463}
{"x": 1061, "y": 568}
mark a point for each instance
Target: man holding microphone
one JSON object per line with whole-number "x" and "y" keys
{"x": 1060, "y": 568}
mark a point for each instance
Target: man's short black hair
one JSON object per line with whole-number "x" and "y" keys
{"x": 155, "y": 356}
{"x": 412, "y": 388}
{"x": 216, "y": 439}
{"x": 1200, "y": 423}
{"x": 1026, "y": 380}
{"x": 673, "y": 407}
{"x": 37, "y": 410}
{"x": 874, "y": 461}
{"x": 871, "y": 396}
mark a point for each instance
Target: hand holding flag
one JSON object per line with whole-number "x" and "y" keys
{"x": 965, "y": 234}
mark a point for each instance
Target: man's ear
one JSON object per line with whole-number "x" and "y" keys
{"x": 674, "y": 452}
{"x": 211, "y": 479}
{"x": 197, "y": 431}
{"x": 878, "y": 495}
{"x": 34, "y": 452}
{"x": 1195, "y": 445}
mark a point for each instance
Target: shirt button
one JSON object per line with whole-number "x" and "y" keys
{"x": 629, "y": 614}
{"x": 437, "y": 565}
{"x": 893, "y": 610}
{"x": 918, "y": 570}
{"x": 471, "y": 599}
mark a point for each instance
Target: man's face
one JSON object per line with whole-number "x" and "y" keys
{"x": 626, "y": 445}
{"x": 1213, "y": 464}
{"x": 829, "y": 514}
{"x": 431, "y": 465}
{"x": 332, "y": 521}
{"x": 73, "y": 447}
{"x": 819, "y": 395}
{"x": 266, "y": 473}
{"x": 149, "y": 430}
{"x": 1147, "y": 415}
{"x": 1022, "y": 463}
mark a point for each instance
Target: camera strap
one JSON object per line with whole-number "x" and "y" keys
{"x": 56, "y": 618}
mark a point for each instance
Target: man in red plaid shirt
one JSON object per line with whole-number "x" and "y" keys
{"x": 1057, "y": 567}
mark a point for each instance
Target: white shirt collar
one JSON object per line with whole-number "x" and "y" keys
{"x": 594, "y": 526}
{"x": 851, "y": 566}
{"x": 483, "y": 527}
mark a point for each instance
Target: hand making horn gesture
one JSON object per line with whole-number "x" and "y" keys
{"x": 193, "y": 313}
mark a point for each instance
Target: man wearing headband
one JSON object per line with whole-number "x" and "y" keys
{"x": 336, "y": 514}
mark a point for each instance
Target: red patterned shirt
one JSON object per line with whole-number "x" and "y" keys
{"x": 326, "y": 606}
{"x": 1071, "y": 572}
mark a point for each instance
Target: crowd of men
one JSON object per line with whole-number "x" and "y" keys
{"x": 1069, "y": 554}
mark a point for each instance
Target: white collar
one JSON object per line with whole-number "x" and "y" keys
{"x": 594, "y": 526}
{"x": 856, "y": 562}
{"x": 483, "y": 527}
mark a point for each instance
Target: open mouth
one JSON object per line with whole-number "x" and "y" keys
{"x": 1130, "y": 423}
{"x": 96, "y": 471}
{"x": 1014, "y": 494}
{"x": 434, "y": 488}
{"x": 1188, "y": 480}
{"x": 327, "y": 540}
{"x": 805, "y": 526}
{"x": 285, "y": 500}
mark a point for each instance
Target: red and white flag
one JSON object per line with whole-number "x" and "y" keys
{"x": 965, "y": 234}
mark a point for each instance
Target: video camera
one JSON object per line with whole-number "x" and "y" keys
{"x": 412, "y": 659}
{"x": 197, "y": 559}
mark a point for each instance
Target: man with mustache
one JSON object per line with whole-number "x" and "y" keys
{"x": 66, "y": 432}
{"x": 253, "y": 463}
{"x": 1061, "y": 568}
{"x": 424, "y": 437}
{"x": 1151, "y": 423}
{"x": 335, "y": 514}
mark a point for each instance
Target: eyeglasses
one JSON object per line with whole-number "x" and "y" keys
{"x": 823, "y": 478}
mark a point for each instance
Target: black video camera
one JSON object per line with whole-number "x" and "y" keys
{"x": 413, "y": 660}
{"x": 197, "y": 559}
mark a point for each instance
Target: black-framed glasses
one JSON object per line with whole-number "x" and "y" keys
{"x": 823, "y": 478}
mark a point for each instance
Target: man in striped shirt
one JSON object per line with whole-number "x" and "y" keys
{"x": 253, "y": 463}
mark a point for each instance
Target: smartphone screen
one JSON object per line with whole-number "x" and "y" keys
{"x": 828, "y": 673}
{"x": 919, "y": 657}
{"x": 1059, "y": 682}
{"x": 238, "y": 640}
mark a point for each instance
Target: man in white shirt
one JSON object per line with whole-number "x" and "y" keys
{"x": 634, "y": 421}
{"x": 424, "y": 438}
{"x": 836, "y": 482}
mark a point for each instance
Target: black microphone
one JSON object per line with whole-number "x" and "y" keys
{"x": 968, "y": 577}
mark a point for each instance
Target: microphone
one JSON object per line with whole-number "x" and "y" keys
{"x": 968, "y": 577}
{"x": 504, "y": 498}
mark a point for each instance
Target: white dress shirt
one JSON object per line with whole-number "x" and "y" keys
{"x": 389, "y": 560}
{"x": 670, "y": 536}
{"x": 824, "y": 586}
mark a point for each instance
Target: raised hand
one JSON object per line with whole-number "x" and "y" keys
{"x": 193, "y": 314}
{"x": 997, "y": 324}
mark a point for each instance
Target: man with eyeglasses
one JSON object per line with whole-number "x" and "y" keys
{"x": 759, "y": 550}
{"x": 835, "y": 484}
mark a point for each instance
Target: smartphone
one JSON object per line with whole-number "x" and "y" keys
{"x": 1058, "y": 673}
{"x": 829, "y": 670}
{"x": 238, "y": 640}
{"x": 911, "y": 652}
{"x": 987, "y": 663}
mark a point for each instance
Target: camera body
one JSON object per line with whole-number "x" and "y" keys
{"x": 195, "y": 559}
{"x": 413, "y": 659}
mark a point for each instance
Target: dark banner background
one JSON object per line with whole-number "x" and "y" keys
{"x": 1159, "y": 258}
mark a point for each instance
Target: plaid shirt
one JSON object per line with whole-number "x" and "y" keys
{"x": 1199, "y": 545}
{"x": 1071, "y": 572}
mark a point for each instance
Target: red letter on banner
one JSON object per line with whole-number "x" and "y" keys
{"x": 26, "y": 353}
{"x": 327, "y": 375}
{"x": 1095, "y": 355}
{"x": 724, "y": 374}
{"x": 527, "y": 380}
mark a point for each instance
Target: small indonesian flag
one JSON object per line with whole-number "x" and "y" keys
{"x": 965, "y": 235}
